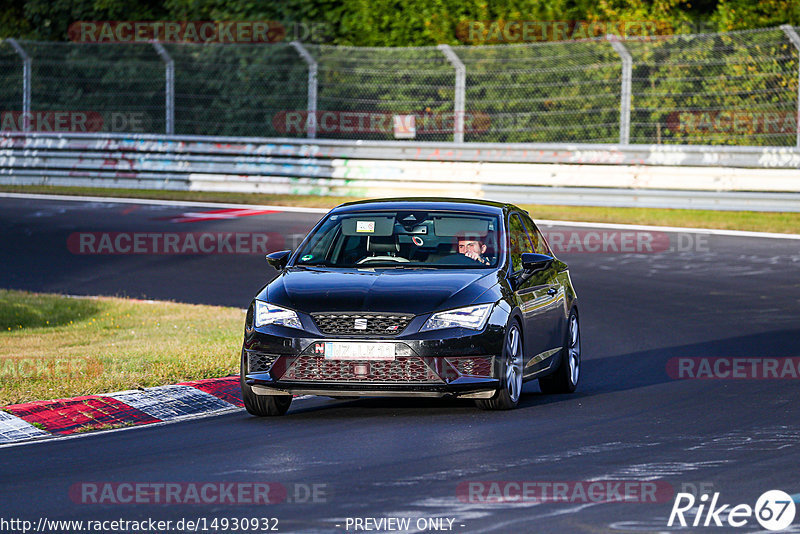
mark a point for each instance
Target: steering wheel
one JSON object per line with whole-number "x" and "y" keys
{"x": 368, "y": 259}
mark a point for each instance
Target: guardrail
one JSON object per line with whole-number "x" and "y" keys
{"x": 760, "y": 178}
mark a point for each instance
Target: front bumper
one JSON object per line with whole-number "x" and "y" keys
{"x": 450, "y": 362}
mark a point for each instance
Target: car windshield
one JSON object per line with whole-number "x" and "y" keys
{"x": 404, "y": 239}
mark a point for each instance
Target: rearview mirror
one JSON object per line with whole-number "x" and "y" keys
{"x": 536, "y": 262}
{"x": 279, "y": 259}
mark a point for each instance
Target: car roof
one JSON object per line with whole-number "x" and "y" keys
{"x": 427, "y": 204}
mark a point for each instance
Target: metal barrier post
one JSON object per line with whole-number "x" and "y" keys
{"x": 795, "y": 39}
{"x": 625, "y": 96}
{"x": 26, "y": 83}
{"x": 170, "y": 87}
{"x": 461, "y": 87}
{"x": 311, "y": 120}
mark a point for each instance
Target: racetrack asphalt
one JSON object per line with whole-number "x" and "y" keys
{"x": 631, "y": 420}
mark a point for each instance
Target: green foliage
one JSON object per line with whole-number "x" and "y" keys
{"x": 397, "y": 22}
{"x": 527, "y": 92}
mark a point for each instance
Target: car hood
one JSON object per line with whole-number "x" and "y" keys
{"x": 312, "y": 290}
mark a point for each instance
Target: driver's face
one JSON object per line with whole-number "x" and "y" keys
{"x": 471, "y": 246}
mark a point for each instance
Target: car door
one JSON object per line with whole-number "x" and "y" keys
{"x": 554, "y": 305}
{"x": 531, "y": 291}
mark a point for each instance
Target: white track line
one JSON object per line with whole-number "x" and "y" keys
{"x": 712, "y": 231}
{"x": 154, "y": 202}
{"x": 121, "y": 200}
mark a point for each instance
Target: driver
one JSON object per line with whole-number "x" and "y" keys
{"x": 473, "y": 249}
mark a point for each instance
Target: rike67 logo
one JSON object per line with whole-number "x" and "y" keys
{"x": 774, "y": 510}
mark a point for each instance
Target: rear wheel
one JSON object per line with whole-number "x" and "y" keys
{"x": 261, "y": 405}
{"x": 507, "y": 397}
{"x": 565, "y": 378}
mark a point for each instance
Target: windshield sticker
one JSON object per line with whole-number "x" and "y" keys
{"x": 307, "y": 257}
{"x": 367, "y": 227}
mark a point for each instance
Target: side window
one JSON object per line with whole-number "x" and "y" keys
{"x": 518, "y": 241}
{"x": 539, "y": 243}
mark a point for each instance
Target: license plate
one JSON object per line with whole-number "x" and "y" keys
{"x": 338, "y": 350}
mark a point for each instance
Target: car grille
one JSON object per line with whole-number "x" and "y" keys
{"x": 403, "y": 369}
{"x": 384, "y": 324}
{"x": 479, "y": 366}
{"x": 259, "y": 363}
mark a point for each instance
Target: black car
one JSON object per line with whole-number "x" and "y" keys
{"x": 413, "y": 297}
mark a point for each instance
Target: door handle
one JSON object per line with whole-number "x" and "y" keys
{"x": 552, "y": 291}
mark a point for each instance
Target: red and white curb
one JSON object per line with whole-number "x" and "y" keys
{"x": 40, "y": 419}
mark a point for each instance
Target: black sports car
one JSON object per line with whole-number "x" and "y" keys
{"x": 413, "y": 297}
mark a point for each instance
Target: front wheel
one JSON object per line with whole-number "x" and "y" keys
{"x": 507, "y": 397}
{"x": 261, "y": 405}
{"x": 565, "y": 378}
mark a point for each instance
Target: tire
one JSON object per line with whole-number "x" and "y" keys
{"x": 261, "y": 405}
{"x": 507, "y": 397}
{"x": 566, "y": 376}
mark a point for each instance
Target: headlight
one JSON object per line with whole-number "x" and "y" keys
{"x": 270, "y": 314}
{"x": 472, "y": 317}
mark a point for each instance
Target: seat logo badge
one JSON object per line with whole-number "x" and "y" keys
{"x": 361, "y": 324}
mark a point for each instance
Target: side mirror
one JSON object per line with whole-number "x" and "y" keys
{"x": 279, "y": 259}
{"x": 536, "y": 262}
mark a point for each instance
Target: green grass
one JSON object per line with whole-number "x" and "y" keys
{"x": 53, "y": 346}
{"x": 727, "y": 220}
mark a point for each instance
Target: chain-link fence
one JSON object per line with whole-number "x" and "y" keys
{"x": 738, "y": 88}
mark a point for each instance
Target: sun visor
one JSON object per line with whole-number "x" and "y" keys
{"x": 368, "y": 225}
{"x": 458, "y": 226}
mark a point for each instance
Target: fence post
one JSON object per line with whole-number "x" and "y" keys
{"x": 311, "y": 120}
{"x": 461, "y": 87}
{"x": 625, "y": 96}
{"x": 26, "y": 83}
{"x": 170, "y": 87}
{"x": 795, "y": 39}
